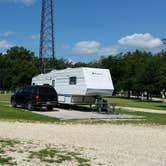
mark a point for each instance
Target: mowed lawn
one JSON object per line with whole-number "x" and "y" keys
{"x": 5, "y": 97}
{"x": 157, "y": 105}
{"x": 9, "y": 113}
{"x": 18, "y": 114}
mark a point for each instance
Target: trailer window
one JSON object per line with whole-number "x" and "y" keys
{"x": 73, "y": 80}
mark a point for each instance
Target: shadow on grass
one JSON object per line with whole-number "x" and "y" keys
{"x": 162, "y": 106}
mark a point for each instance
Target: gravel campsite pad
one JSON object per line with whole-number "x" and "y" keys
{"x": 31, "y": 144}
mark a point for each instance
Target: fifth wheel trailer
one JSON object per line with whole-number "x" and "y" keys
{"x": 78, "y": 86}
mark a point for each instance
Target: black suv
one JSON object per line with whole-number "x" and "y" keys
{"x": 35, "y": 96}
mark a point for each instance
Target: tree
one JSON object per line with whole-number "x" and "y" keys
{"x": 116, "y": 66}
{"x": 17, "y": 68}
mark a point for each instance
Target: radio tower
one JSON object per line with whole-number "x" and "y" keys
{"x": 47, "y": 47}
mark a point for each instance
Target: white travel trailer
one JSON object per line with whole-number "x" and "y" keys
{"x": 78, "y": 85}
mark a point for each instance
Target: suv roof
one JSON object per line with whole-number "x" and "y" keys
{"x": 37, "y": 89}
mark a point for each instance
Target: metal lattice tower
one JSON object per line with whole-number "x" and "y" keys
{"x": 47, "y": 46}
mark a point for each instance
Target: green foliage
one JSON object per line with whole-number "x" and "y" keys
{"x": 17, "y": 68}
{"x": 19, "y": 65}
{"x": 137, "y": 71}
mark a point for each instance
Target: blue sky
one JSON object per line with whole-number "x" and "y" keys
{"x": 86, "y": 29}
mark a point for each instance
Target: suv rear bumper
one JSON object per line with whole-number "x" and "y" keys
{"x": 45, "y": 104}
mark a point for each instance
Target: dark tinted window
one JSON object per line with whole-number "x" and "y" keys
{"x": 73, "y": 80}
{"x": 34, "y": 90}
{"x": 47, "y": 90}
{"x": 19, "y": 90}
{"x": 28, "y": 89}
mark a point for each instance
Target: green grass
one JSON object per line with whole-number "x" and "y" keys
{"x": 147, "y": 118}
{"x": 4, "y": 159}
{"x": 137, "y": 103}
{"x": 5, "y": 143}
{"x": 17, "y": 114}
{"x": 5, "y": 97}
{"x": 53, "y": 155}
{"x": 9, "y": 113}
{"x": 49, "y": 155}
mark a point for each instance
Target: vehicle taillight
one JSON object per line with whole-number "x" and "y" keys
{"x": 37, "y": 98}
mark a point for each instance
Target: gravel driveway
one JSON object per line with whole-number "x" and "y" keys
{"x": 76, "y": 114}
{"x": 109, "y": 145}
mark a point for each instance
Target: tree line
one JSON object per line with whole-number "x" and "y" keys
{"x": 135, "y": 72}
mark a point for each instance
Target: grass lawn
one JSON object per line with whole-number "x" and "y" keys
{"x": 147, "y": 118}
{"x": 137, "y": 103}
{"x": 17, "y": 114}
{"x": 10, "y": 113}
{"x": 5, "y": 97}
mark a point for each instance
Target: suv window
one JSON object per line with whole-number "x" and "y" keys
{"x": 47, "y": 90}
{"x": 19, "y": 90}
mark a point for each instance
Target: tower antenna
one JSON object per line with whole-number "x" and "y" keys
{"x": 47, "y": 38}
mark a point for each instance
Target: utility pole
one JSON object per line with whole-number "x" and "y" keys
{"x": 47, "y": 38}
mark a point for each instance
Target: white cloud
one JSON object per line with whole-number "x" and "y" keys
{"x": 35, "y": 37}
{"x": 86, "y": 47}
{"x": 5, "y": 44}
{"x": 141, "y": 40}
{"x": 129, "y": 43}
{"x": 108, "y": 51}
{"x": 6, "y": 34}
{"x": 94, "y": 47}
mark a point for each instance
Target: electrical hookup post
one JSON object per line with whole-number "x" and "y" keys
{"x": 102, "y": 105}
{"x": 99, "y": 103}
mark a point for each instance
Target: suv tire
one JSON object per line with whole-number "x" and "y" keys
{"x": 30, "y": 106}
{"x": 49, "y": 108}
{"x": 13, "y": 103}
